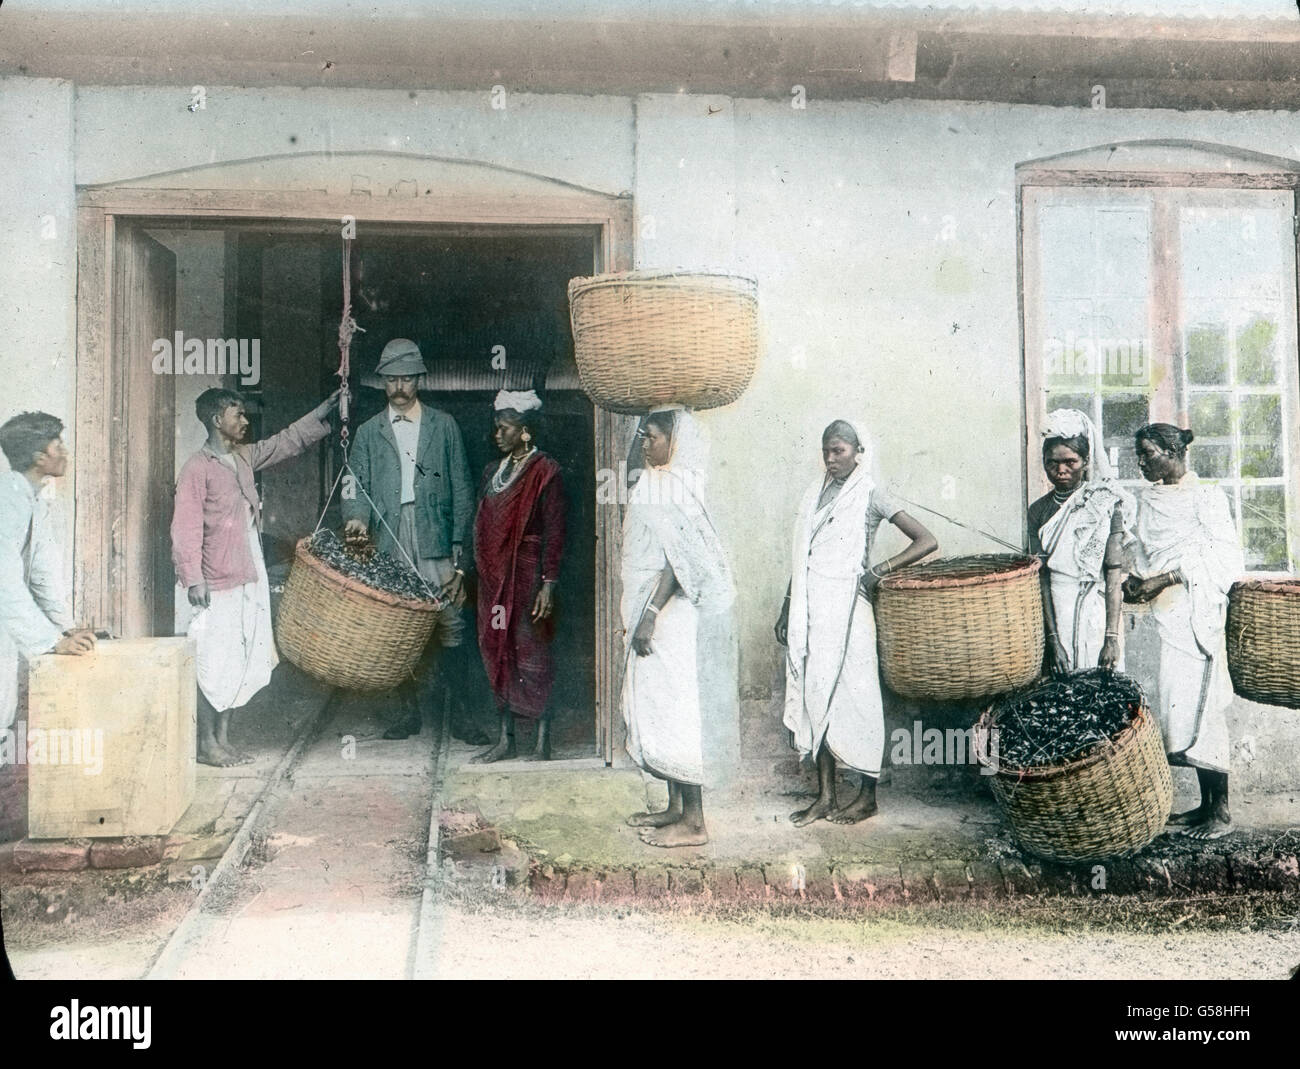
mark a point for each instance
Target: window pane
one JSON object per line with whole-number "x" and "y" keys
{"x": 1212, "y": 461}
{"x": 1257, "y": 352}
{"x": 1263, "y": 523}
{"x": 1121, "y": 416}
{"x": 1206, "y": 347}
{"x": 1261, "y": 436}
{"x": 1211, "y": 415}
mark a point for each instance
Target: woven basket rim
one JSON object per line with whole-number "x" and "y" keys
{"x": 383, "y": 597}
{"x": 740, "y": 285}
{"x": 915, "y": 577}
{"x": 1287, "y": 586}
{"x": 1102, "y": 752}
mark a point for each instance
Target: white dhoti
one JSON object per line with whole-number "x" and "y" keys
{"x": 837, "y": 696}
{"x": 1195, "y": 690}
{"x": 832, "y": 679}
{"x": 233, "y": 635}
{"x": 1080, "y": 610}
{"x": 1187, "y": 526}
{"x": 661, "y": 695}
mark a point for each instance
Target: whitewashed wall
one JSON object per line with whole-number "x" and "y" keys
{"x": 882, "y": 236}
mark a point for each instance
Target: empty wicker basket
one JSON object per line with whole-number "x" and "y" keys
{"x": 1108, "y": 803}
{"x": 961, "y": 628}
{"x": 643, "y": 339}
{"x": 345, "y": 633}
{"x": 1264, "y": 640}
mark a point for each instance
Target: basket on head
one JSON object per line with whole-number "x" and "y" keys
{"x": 345, "y": 633}
{"x": 644, "y": 338}
{"x": 1108, "y": 803}
{"x": 1263, "y": 635}
{"x": 961, "y": 628}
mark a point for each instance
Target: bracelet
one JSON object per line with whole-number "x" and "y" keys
{"x": 653, "y": 609}
{"x": 1112, "y": 634}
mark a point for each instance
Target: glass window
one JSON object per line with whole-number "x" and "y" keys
{"x": 1176, "y": 305}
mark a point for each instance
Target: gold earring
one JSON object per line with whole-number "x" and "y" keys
{"x": 526, "y": 436}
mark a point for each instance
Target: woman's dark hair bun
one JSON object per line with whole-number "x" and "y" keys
{"x": 1187, "y": 436}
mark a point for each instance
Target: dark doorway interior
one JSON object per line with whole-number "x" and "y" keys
{"x": 488, "y": 309}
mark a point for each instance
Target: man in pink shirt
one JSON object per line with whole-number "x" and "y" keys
{"x": 217, "y": 550}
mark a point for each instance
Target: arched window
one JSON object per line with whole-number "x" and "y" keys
{"x": 1159, "y": 284}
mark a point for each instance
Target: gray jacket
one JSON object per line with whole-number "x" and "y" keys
{"x": 444, "y": 495}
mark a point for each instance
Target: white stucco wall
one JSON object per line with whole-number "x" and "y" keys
{"x": 882, "y": 236}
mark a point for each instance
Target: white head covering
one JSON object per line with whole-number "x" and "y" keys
{"x": 519, "y": 400}
{"x": 1071, "y": 423}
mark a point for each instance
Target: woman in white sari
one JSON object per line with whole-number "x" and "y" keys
{"x": 680, "y": 701}
{"x": 1079, "y": 531}
{"x": 832, "y": 689}
{"x": 1188, "y": 557}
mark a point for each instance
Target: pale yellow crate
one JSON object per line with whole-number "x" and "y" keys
{"x": 122, "y": 761}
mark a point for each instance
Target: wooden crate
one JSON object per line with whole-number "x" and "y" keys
{"x": 128, "y": 708}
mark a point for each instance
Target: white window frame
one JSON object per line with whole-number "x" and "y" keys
{"x": 1149, "y": 168}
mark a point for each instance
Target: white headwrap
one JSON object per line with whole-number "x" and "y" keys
{"x": 1071, "y": 423}
{"x": 519, "y": 400}
{"x": 1088, "y": 512}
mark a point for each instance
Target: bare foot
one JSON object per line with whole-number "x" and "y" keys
{"x": 214, "y": 755}
{"x": 1217, "y": 824}
{"x": 678, "y": 834}
{"x": 541, "y": 751}
{"x": 1189, "y": 817}
{"x": 819, "y": 810}
{"x": 655, "y": 820}
{"x": 500, "y": 752}
{"x": 859, "y": 809}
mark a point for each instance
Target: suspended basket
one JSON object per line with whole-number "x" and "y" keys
{"x": 1263, "y": 636}
{"x": 961, "y": 628}
{"x": 643, "y": 339}
{"x": 348, "y": 634}
{"x": 1110, "y": 802}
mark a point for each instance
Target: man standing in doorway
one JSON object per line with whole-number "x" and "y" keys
{"x": 410, "y": 461}
{"x": 217, "y": 550}
{"x": 34, "y": 617}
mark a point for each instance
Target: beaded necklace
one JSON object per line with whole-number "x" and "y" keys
{"x": 501, "y": 480}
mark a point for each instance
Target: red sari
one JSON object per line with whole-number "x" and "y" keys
{"x": 518, "y": 542}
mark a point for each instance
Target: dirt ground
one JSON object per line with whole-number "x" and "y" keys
{"x": 1050, "y": 942}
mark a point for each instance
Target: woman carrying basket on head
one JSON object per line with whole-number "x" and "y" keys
{"x": 1080, "y": 531}
{"x": 832, "y": 691}
{"x": 680, "y": 701}
{"x": 1188, "y": 557}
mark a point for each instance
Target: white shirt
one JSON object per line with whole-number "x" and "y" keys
{"x": 406, "y": 429}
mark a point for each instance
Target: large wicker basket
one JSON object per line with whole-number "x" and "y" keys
{"x": 1109, "y": 803}
{"x": 346, "y": 633}
{"x": 1264, "y": 640}
{"x": 961, "y": 628}
{"x": 643, "y": 339}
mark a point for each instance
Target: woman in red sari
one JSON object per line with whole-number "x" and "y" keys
{"x": 518, "y": 543}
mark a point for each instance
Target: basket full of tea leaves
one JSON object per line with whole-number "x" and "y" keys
{"x": 352, "y": 617}
{"x": 1079, "y": 768}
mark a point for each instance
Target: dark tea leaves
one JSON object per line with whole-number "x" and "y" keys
{"x": 1063, "y": 720}
{"x": 376, "y": 570}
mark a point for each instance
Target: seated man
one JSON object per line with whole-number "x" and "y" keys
{"x": 217, "y": 550}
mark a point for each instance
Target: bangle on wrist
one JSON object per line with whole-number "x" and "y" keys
{"x": 652, "y": 608}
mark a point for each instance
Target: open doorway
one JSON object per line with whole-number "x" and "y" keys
{"x": 488, "y": 308}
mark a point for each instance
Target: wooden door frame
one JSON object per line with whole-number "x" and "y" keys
{"x": 99, "y": 506}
